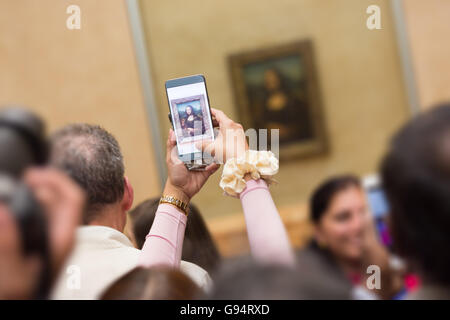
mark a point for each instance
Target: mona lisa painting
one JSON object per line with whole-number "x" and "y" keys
{"x": 277, "y": 88}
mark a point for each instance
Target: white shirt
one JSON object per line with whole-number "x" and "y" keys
{"x": 100, "y": 256}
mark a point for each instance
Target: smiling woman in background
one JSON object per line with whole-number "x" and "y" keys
{"x": 345, "y": 237}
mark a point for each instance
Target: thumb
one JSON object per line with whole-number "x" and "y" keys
{"x": 171, "y": 153}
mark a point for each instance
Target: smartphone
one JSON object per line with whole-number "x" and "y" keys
{"x": 379, "y": 207}
{"x": 191, "y": 119}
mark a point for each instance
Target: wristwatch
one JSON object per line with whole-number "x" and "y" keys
{"x": 175, "y": 202}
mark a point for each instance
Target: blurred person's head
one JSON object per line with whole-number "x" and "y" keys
{"x": 246, "y": 279}
{"x": 157, "y": 283}
{"x": 338, "y": 210}
{"x": 416, "y": 178}
{"x": 92, "y": 157}
{"x": 198, "y": 245}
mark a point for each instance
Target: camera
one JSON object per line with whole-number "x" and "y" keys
{"x": 23, "y": 144}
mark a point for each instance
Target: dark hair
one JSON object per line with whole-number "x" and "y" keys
{"x": 92, "y": 157}
{"x": 198, "y": 245}
{"x": 324, "y": 193}
{"x": 416, "y": 178}
{"x": 158, "y": 283}
{"x": 246, "y": 279}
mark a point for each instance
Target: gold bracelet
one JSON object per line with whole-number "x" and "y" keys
{"x": 175, "y": 202}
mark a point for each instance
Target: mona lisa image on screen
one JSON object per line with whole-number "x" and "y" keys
{"x": 190, "y": 113}
{"x": 277, "y": 88}
{"x": 191, "y": 117}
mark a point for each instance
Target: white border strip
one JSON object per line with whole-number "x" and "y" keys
{"x": 134, "y": 17}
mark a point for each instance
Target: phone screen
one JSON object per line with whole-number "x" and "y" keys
{"x": 190, "y": 114}
{"x": 380, "y": 210}
{"x": 378, "y": 202}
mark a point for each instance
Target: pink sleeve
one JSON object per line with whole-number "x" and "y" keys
{"x": 267, "y": 235}
{"x": 164, "y": 242}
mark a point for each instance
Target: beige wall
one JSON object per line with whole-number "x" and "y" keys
{"x": 86, "y": 75}
{"x": 428, "y": 27}
{"x": 359, "y": 71}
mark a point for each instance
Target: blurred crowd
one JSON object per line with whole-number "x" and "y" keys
{"x": 64, "y": 202}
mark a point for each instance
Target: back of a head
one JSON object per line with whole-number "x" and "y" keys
{"x": 416, "y": 177}
{"x": 246, "y": 279}
{"x": 92, "y": 157}
{"x": 198, "y": 245}
{"x": 158, "y": 283}
{"x": 142, "y": 217}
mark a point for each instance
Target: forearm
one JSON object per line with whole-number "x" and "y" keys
{"x": 164, "y": 242}
{"x": 267, "y": 235}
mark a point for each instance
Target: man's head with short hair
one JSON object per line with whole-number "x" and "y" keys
{"x": 416, "y": 177}
{"x": 92, "y": 157}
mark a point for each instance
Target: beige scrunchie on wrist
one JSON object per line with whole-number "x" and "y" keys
{"x": 259, "y": 164}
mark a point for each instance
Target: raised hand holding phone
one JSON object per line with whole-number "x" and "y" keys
{"x": 182, "y": 183}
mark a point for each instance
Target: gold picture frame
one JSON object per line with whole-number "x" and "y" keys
{"x": 292, "y": 102}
